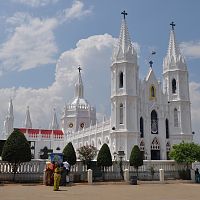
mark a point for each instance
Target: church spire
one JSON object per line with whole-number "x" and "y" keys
{"x": 124, "y": 50}
{"x": 54, "y": 123}
{"x": 173, "y": 57}
{"x": 28, "y": 123}
{"x": 9, "y": 121}
{"x": 79, "y": 85}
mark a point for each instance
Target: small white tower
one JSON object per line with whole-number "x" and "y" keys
{"x": 54, "y": 124}
{"x": 176, "y": 86}
{"x": 124, "y": 92}
{"x": 9, "y": 121}
{"x": 28, "y": 123}
{"x": 78, "y": 114}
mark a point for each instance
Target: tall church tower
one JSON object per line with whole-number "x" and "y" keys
{"x": 176, "y": 86}
{"x": 124, "y": 92}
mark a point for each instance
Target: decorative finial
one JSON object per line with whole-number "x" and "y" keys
{"x": 124, "y": 13}
{"x": 79, "y": 69}
{"x": 173, "y": 24}
{"x": 151, "y": 63}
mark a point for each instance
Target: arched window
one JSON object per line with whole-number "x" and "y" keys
{"x": 153, "y": 92}
{"x": 121, "y": 80}
{"x": 167, "y": 128}
{"x": 154, "y": 122}
{"x": 141, "y": 127}
{"x": 175, "y": 117}
{"x": 121, "y": 110}
{"x": 174, "y": 86}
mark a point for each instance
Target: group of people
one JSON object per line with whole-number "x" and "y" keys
{"x": 57, "y": 174}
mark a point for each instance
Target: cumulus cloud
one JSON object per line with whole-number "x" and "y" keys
{"x": 36, "y": 3}
{"x": 191, "y": 49}
{"x": 93, "y": 54}
{"x": 32, "y": 43}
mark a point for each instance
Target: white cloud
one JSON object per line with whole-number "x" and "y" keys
{"x": 36, "y": 3}
{"x": 93, "y": 54}
{"x": 76, "y": 11}
{"x": 32, "y": 44}
{"x": 191, "y": 49}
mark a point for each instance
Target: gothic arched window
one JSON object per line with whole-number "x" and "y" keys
{"x": 155, "y": 145}
{"x": 141, "y": 127}
{"x": 152, "y": 92}
{"x": 174, "y": 86}
{"x": 167, "y": 128}
{"x": 121, "y": 110}
{"x": 121, "y": 80}
{"x": 154, "y": 122}
{"x": 175, "y": 117}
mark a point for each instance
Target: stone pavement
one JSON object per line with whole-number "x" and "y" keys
{"x": 107, "y": 191}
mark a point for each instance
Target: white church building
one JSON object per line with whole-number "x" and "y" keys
{"x": 146, "y": 113}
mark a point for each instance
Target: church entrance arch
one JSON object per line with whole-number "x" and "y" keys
{"x": 155, "y": 149}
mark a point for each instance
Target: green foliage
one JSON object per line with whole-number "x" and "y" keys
{"x": 69, "y": 154}
{"x": 16, "y": 150}
{"x": 104, "y": 157}
{"x": 136, "y": 158}
{"x": 87, "y": 153}
{"x": 185, "y": 153}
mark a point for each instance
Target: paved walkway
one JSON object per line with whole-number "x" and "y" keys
{"x": 109, "y": 191}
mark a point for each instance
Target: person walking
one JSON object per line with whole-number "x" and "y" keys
{"x": 57, "y": 176}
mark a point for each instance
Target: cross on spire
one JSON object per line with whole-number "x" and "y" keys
{"x": 124, "y": 13}
{"x": 173, "y": 24}
{"x": 79, "y": 69}
{"x": 151, "y": 63}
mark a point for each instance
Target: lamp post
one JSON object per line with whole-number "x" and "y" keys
{"x": 121, "y": 155}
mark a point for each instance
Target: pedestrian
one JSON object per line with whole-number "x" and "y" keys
{"x": 67, "y": 166}
{"x": 57, "y": 176}
{"x": 197, "y": 176}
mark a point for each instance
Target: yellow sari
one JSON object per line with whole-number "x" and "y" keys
{"x": 57, "y": 177}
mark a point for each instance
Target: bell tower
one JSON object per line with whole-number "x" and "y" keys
{"x": 176, "y": 86}
{"x": 124, "y": 90}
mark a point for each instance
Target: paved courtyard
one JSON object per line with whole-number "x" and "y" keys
{"x": 172, "y": 191}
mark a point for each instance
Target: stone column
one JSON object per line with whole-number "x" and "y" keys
{"x": 126, "y": 175}
{"x": 161, "y": 173}
{"x": 89, "y": 176}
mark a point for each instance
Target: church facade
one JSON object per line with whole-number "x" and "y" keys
{"x": 146, "y": 113}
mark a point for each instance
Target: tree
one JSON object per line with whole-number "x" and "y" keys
{"x": 69, "y": 154}
{"x": 104, "y": 158}
{"x": 185, "y": 153}
{"x": 16, "y": 150}
{"x": 136, "y": 158}
{"x": 87, "y": 153}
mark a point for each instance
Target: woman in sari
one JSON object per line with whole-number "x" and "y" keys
{"x": 57, "y": 176}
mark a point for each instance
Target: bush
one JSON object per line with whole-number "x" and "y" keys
{"x": 16, "y": 150}
{"x": 69, "y": 154}
{"x": 104, "y": 158}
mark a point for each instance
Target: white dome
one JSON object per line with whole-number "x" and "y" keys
{"x": 79, "y": 101}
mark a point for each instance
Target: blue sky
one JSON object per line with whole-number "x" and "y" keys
{"x": 42, "y": 42}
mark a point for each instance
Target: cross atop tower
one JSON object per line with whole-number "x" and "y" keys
{"x": 151, "y": 63}
{"x": 124, "y": 13}
{"x": 173, "y": 24}
{"x": 79, "y": 69}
